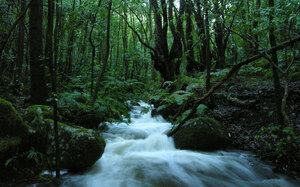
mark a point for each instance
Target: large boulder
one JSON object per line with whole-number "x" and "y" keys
{"x": 12, "y": 131}
{"x": 13, "y": 135}
{"x": 11, "y": 122}
{"x": 80, "y": 148}
{"x": 205, "y": 134}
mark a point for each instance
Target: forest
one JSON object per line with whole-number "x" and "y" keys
{"x": 149, "y": 92}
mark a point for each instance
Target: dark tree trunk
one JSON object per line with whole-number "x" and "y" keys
{"x": 191, "y": 63}
{"x": 69, "y": 66}
{"x": 93, "y": 47}
{"x": 255, "y": 24}
{"x": 102, "y": 74}
{"x": 49, "y": 59}
{"x": 83, "y": 47}
{"x": 166, "y": 61}
{"x": 207, "y": 47}
{"x": 38, "y": 89}
{"x": 20, "y": 47}
{"x": 125, "y": 46}
{"x": 199, "y": 18}
{"x": 276, "y": 80}
{"x": 219, "y": 38}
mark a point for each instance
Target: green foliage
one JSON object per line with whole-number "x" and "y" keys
{"x": 110, "y": 106}
{"x": 11, "y": 122}
{"x": 284, "y": 142}
{"x": 27, "y": 163}
{"x": 201, "y": 109}
{"x": 122, "y": 90}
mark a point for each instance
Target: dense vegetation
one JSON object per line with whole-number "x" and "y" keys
{"x": 191, "y": 58}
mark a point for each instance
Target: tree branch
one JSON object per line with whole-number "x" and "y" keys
{"x": 233, "y": 71}
{"x": 4, "y": 42}
{"x": 136, "y": 33}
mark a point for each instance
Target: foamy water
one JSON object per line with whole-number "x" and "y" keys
{"x": 140, "y": 154}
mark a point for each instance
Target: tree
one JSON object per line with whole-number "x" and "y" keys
{"x": 20, "y": 46}
{"x": 102, "y": 74}
{"x": 277, "y": 87}
{"x": 192, "y": 65}
{"x": 167, "y": 60}
{"x": 38, "y": 89}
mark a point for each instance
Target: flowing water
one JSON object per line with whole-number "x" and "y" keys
{"x": 140, "y": 154}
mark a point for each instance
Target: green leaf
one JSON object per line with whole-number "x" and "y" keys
{"x": 201, "y": 109}
{"x": 161, "y": 107}
{"x": 8, "y": 161}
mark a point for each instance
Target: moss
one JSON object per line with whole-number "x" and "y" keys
{"x": 202, "y": 134}
{"x": 11, "y": 122}
{"x": 76, "y": 144}
{"x": 44, "y": 110}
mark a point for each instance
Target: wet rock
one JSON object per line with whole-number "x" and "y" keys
{"x": 11, "y": 122}
{"x": 12, "y": 131}
{"x": 80, "y": 148}
{"x": 205, "y": 134}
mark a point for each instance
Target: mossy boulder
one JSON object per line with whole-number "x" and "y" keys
{"x": 80, "y": 148}
{"x": 43, "y": 110}
{"x": 204, "y": 134}
{"x": 11, "y": 122}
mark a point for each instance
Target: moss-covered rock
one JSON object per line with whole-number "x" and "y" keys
{"x": 203, "y": 134}
{"x": 80, "y": 148}
{"x": 44, "y": 110}
{"x": 11, "y": 122}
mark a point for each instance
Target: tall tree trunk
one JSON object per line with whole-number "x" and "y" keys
{"x": 167, "y": 61}
{"x": 207, "y": 47}
{"x": 20, "y": 47}
{"x": 52, "y": 67}
{"x": 255, "y": 24}
{"x": 118, "y": 45}
{"x": 191, "y": 63}
{"x": 83, "y": 47}
{"x": 276, "y": 80}
{"x": 199, "y": 18}
{"x": 38, "y": 89}
{"x": 69, "y": 65}
{"x": 93, "y": 47}
{"x": 101, "y": 76}
{"x": 219, "y": 37}
{"x": 125, "y": 46}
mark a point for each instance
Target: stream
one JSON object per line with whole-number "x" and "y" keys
{"x": 140, "y": 154}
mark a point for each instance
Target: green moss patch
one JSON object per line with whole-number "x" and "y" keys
{"x": 204, "y": 134}
{"x": 11, "y": 122}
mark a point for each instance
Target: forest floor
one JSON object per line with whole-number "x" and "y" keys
{"x": 246, "y": 107}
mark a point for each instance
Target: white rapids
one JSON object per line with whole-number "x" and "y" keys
{"x": 140, "y": 154}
